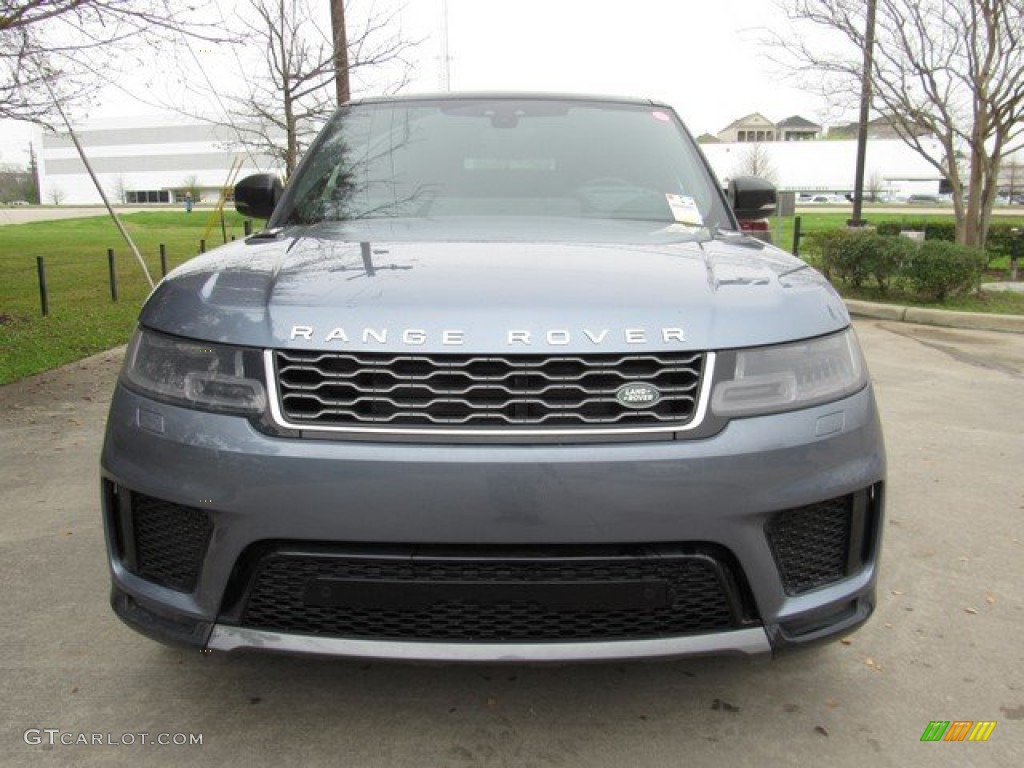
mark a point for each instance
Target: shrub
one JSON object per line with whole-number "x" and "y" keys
{"x": 935, "y": 269}
{"x": 938, "y": 269}
{"x": 1000, "y": 238}
{"x": 890, "y": 256}
{"x": 933, "y": 230}
{"x": 855, "y": 257}
{"x": 998, "y": 243}
{"x": 821, "y": 248}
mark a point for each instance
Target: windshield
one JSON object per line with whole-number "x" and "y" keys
{"x": 504, "y": 157}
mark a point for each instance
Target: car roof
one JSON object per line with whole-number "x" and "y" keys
{"x": 510, "y": 96}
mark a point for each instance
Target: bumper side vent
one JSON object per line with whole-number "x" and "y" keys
{"x": 163, "y": 542}
{"x": 813, "y": 545}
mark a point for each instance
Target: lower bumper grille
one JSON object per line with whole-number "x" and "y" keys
{"x": 163, "y": 542}
{"x": 822, "y": 543}
{"x": 498, "y": 597}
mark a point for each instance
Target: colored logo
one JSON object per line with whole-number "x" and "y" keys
{"x": 637, "y": 395}
{"x": 958, "y": 730}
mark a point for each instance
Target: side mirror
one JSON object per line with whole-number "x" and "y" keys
{"x": 751, "y": 197}
{"x": 256, "y": 196}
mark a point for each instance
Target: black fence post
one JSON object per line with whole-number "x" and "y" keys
{"x": 247, "y": 227}
{"x": 1014, "y": 252}
{"x": 796, "y": 236}
{"x": 202, "y": 246}
{"x": 44, "y": 300}
{"x": 113, "y": 274}
{"x": 163, "y": 260}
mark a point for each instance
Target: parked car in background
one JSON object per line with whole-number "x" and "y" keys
{"x": 923, "y": 199}
{"x": 823, "y": 199}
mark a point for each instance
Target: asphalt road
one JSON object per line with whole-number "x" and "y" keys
{"x": 944, "y": 644}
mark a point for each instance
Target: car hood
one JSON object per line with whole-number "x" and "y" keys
{"x": 415, "y": 289}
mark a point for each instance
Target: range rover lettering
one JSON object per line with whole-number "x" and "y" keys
{"x": 502, "y": 378}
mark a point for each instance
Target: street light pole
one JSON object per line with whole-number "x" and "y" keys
{"x": 865, "y": 107}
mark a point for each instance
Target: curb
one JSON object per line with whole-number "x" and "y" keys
{"x": 974, "y": 321}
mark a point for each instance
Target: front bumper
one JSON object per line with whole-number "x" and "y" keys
{"x": 719, "y": 492}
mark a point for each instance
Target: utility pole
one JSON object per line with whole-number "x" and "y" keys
{"x": 340, "y": 51}
{"x": 865, "y": 107}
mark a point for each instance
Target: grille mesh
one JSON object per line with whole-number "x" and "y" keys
{"x": 811, "y": 544}
{"x": 696, "y": 590}
{"x": 515, "y": 391}
{"x": 170, "y": 541}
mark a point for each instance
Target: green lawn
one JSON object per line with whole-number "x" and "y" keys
{"x": 83, "y": 320}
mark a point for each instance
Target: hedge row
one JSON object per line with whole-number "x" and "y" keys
{"x": 934, "y": 268}
{"x": 1000, "y": 233}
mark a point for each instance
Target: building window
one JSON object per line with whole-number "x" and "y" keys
{"x": 147, "y": 196}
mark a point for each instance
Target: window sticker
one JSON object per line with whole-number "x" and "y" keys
{"x": 661, "y": 116}
{"x": 684, "y": 210}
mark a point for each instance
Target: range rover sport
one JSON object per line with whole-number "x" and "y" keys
{"x": 501, "y": 379}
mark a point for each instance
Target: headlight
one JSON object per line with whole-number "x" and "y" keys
{"x": 792, "y": 376}
{"x": 211, "y": 377}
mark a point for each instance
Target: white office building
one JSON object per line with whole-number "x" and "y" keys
{"x": 892, "y": 167}
{"x": 144, "y": 161}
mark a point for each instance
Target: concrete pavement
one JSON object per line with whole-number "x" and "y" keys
{"x": 944, "y": 643}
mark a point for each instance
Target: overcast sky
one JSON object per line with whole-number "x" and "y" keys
{"x": 702, "y": 58}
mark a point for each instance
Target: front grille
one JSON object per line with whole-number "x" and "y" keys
{"x": 360, "y": 389}
{"x": 812, "y": 544}
{"x": 167, "y": 542}
{"x": 494, "y": 598}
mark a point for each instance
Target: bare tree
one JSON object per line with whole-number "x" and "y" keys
{"x": 948, "y": 74}
{"x": 15, "y": 183}
{"x": 72, "y": 46}
{"x": 191, "y": 186}
{"x": 57, "y": 195}
{"x": 756, "y": 161}
{"x": 291, "y": 91}
{"x": 120, "y": 188}
{"x": 874, "y": 187}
